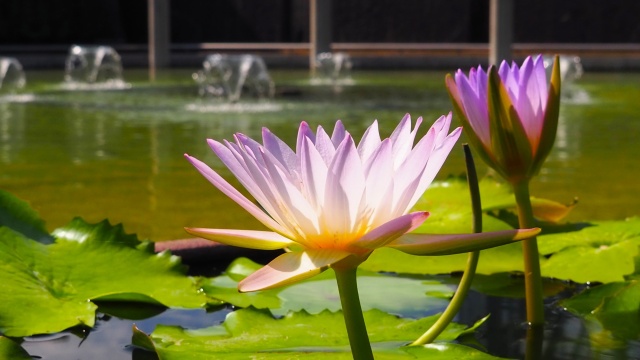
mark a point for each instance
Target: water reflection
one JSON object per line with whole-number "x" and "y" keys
{"x": 110, "y": 339}
{"x": 123, "y": 149}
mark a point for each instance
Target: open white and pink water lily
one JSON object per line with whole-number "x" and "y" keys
{"x": 330, "y": 203}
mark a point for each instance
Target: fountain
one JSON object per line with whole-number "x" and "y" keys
{"x": 93, "y": 67}
{"x": 570, "y": 67}
{"x": 333, "y": 69}
{"x": 11, "y": 75}
{"x": 570, "y": 71}
{"x": 229, "y": 76}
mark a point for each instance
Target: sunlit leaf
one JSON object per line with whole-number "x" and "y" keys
{"x": 499, "y": 259}
{"x": 449, "y": 205}
{"x": 249, "y": 333}
{"x": 405, "y": 297}
{"x": 58, "y": 282}
{"x": 19, "y": 216}
{"x": 603, "y": 252}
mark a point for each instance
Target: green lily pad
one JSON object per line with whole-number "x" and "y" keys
{"x": 449, "y": 206}
{"x": 604, "y": 252}
{"x": 19, "y": 216}
{"x": 9, "y": 349}
{"x": 405, "y": 297}
{"x": 499, "y": 259}
{"x": 615, "y": 306}
{"x": 55, "y": 284}
{"x": 599, "y": 234}
{"x": 249, "y": 333}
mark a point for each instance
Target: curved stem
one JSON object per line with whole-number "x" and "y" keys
{"x": 472, "y": 260}
{"x": 456, "y": 302}
{"x": 532, "y": 274}
{"x": 352, "y": 311}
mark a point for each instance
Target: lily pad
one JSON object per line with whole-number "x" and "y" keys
{"x": 9, "y": 349}
{"x": 499, "y": 259}
{"x": 604, "y": 252}
{"x": 19, "y": 216}
{"x": 404, "y": 297}
{"x": 449, "y": 204}
{"x": 615, "y": 306}
{"x": 249, "y": 333}
{"x": 54, "y": 285}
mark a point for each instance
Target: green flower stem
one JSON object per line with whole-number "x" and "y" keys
{"x": 454, "y": 306}
{"x": 352, "y": 311}
{"x": 472, "y": 260}
{"x": 532, "y": 275}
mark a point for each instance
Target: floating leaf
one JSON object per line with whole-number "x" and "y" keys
{"x": 616, "y": 306}
{"x": 499, "y": 259}
{"x": 9, "y": 349}
{"x": 19, "y": 216}
{"x": 405, "y": 297}
{"x": 58, "y": 282}
{"x": 603, "y": 252}
{"x": 250, "y": 333}
{"x": 449, "y": 205}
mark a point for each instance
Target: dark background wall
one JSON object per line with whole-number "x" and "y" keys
{"x": 431, "y": 21}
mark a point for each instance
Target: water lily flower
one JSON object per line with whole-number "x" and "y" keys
{"x": 330, "y": 203}
{"x": 512, "y": 112}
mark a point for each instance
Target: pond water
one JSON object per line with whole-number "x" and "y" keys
{"x": 119, "y": 155}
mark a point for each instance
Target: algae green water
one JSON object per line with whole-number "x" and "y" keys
{"x": 118, "y": 154}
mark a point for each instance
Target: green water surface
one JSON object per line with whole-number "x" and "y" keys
{"x": 118, "y": 154}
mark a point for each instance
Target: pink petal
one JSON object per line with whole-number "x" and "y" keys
{"x": 446, "y": 244}
{"x": 344, "y": 188}
{"x": 313, "y": 174}
{"x": 436, "y": 159}
{"x": 236, "y": 196}
{"x": 370, "y": 142}
{"x": 408, "y": 176}
{"x": 280, "y": 150}
{"x": 299, "y": 214}
{"x": 252, "y": 239}
{"x": 291, "y": 267}
{"x": 391, "y": 230}
{"x": 475, "y": 107}
{"x": 377, "y": 171}
{"x": 339, "y": 133}
{"x": 324, "y": 146}
{"x": 402, "y": 140}
{"x": 304, "y": 131}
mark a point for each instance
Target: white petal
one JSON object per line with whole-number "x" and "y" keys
{"x": 324, "y": 146}
{"x": 289, "y": 268}
{"x": 280, "y": 150}
{"x": 314, "y": 175}
{"x": 370, "y": 142}
{"x": 344, "y": 188}
{"x": 297, "y": 212}
{"x": 339, "y": 134}
{"x": 236, "y": 196}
